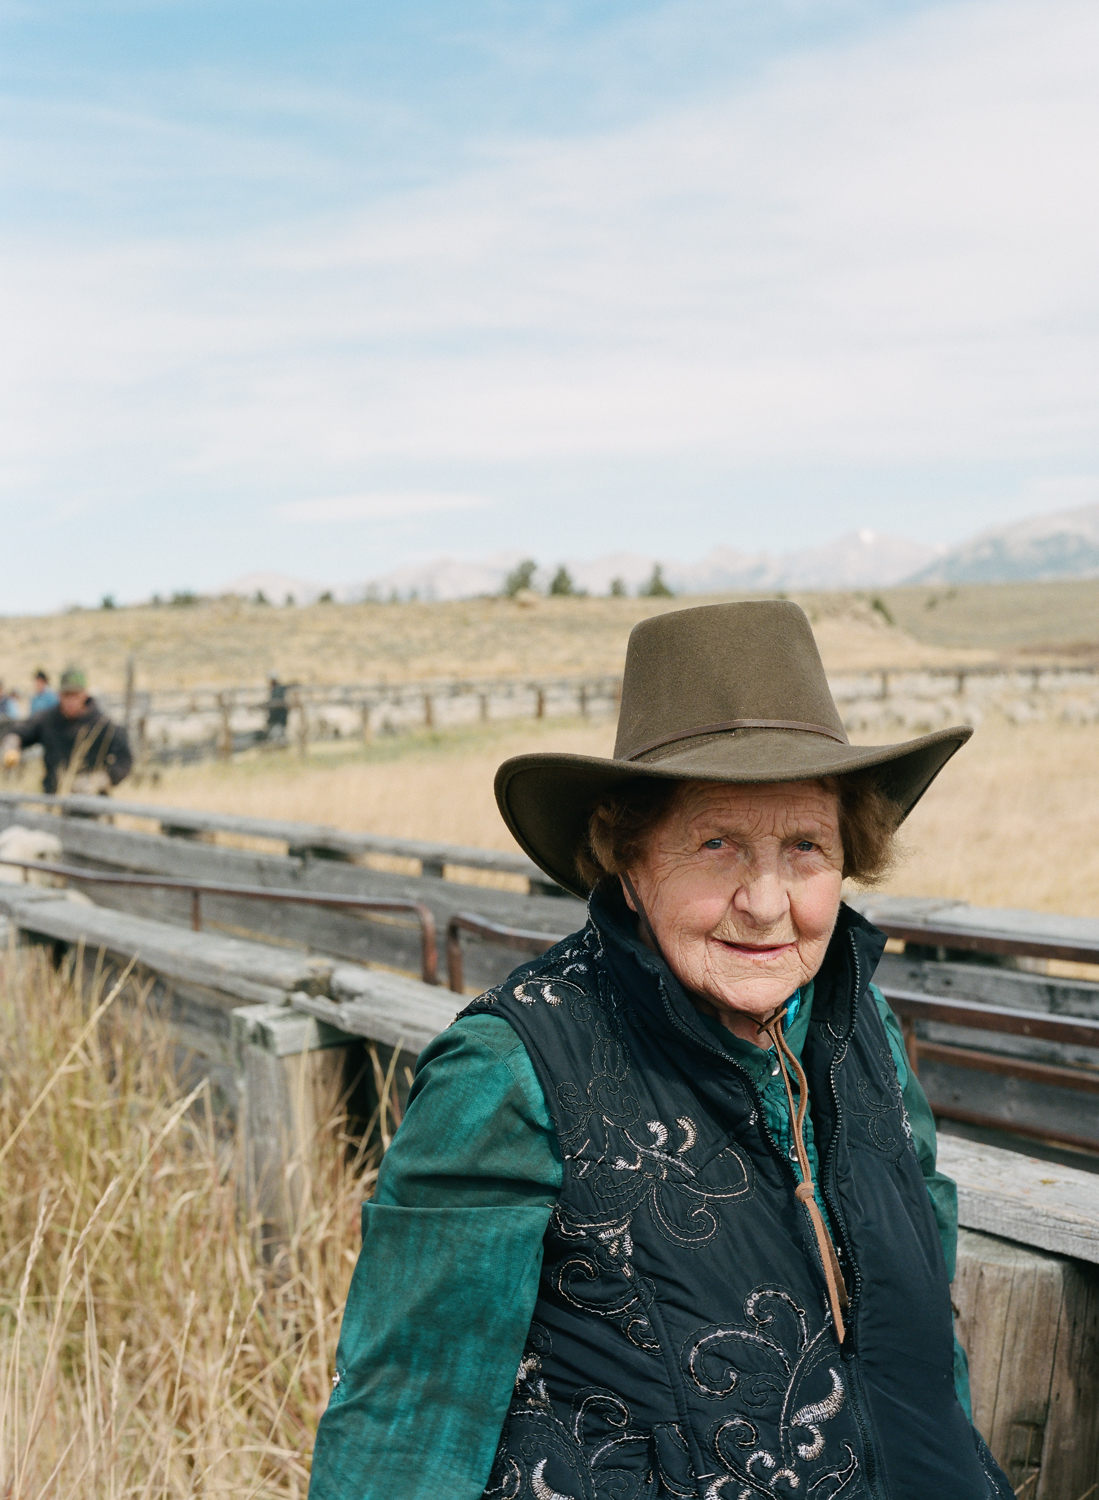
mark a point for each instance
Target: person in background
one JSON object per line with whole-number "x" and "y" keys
{"x": 9, "y": 704}
{"x": 278, "y": 710}
{"x": 44, "y": 696}
{"x": 84, "y": 751}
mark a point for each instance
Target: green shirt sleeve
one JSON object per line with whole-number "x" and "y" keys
{"x": 941, "y": 1189}
{"x": 445, "y": 1285}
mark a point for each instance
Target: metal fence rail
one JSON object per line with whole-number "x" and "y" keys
{"x": 521, "y": 938}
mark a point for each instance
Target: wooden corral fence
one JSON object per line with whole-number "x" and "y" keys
{"x": 187, "y": 725}
{"x": 276, "y": 997}
{"x": 192, "y": 724}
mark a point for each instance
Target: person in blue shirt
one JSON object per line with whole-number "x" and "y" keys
{"x": 44, "y": 696}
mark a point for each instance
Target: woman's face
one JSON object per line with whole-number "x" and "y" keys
{"x": 742, "y": 887}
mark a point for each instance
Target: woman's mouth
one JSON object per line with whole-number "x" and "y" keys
{"x": 758, "y": 953}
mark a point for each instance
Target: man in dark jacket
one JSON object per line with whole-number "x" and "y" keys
{"x": 83, "y": 750}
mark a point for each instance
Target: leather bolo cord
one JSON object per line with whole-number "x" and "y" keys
{"x": 806, "y": 1192}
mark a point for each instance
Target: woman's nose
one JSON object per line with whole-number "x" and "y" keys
{"x": 763, "y": 897}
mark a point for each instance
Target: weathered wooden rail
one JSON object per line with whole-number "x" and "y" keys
{"x": 982, "y": 1069}
{"x": 429, "y": 968}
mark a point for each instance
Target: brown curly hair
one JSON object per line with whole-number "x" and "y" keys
{"x": 622, "y": 822}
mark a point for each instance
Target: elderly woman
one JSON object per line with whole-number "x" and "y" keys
{"x": 663, "y": 1218}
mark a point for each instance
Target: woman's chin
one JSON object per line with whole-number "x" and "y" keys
{"x": 753, "y": 994}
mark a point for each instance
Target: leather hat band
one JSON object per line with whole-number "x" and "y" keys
{"x": 692, "y": 734}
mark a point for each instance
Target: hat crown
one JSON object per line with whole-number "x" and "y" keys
{"x": 704, "y": 670}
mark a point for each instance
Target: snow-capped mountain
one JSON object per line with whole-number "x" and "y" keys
{"x": 1063, "y": 545}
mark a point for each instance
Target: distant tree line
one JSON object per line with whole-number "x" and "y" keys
{"x": 521, "y": 580}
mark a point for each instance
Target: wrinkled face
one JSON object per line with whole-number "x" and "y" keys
{"x": 74, "y": 703}
{"x": 742, "y": 887}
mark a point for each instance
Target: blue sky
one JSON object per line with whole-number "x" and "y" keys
{"x": 330, "y": 288}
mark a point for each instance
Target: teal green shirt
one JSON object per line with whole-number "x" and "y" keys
{"x": 445, "y": 1285}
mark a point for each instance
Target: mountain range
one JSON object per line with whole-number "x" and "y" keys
{"x": 1063, "y": 545}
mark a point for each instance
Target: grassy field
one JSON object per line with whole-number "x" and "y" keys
{"x": 1027, "y": 619}
{"x": 221, "y": 642}
{"x": 231, "y": 642}
{"x": 148, "y": 1346}
{"x": 1008, "y": 823}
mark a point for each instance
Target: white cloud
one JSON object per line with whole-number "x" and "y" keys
{"x": 377, "y": 505}
{"x": 881, "y": 251}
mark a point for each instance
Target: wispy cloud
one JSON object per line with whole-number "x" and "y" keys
{"x": 377, "y": 505}
{"x": 877, "y": 250}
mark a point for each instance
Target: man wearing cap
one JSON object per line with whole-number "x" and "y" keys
{"x": 83, "y": 750}
{"x": 663, "y": 1219}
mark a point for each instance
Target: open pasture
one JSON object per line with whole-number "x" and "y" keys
{"x": 223, "y": 642}
{"x": 230, "y": 642}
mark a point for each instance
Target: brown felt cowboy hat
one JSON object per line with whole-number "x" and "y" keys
{"x": 725, "y": 692}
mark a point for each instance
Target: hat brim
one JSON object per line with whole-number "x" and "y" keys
{"x": 547, "y": 799}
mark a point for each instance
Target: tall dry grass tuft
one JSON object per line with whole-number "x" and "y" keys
{"x": 150, "y": 1346}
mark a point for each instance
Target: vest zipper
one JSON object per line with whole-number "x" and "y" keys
{"x": 850, "y": 1348}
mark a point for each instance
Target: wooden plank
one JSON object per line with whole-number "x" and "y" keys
{"x": 390, "y": 939}
{"x": 1011, "y": 1103}
{"x": 1020, "y": 1198}
{"x": 382, "y": 1007}
{"x": 963, "y": 920}
{"x": 994, "y": 1018}
{"x": 1080, "y": 1079}
{"x": 319, "y": 836}
{"x": 985, "y": 984}
{"x": 251, "y": 971}
{"x": 1027, "y": 1320}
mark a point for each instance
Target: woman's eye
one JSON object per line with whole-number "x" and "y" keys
{"x": 806, "y": 846}
{"x": 713, "y": 843}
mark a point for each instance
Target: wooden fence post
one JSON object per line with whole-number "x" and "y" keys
{"x": 290, "y": 1073}
{"x": 225, "y": 734}
{"x": 1029, "y": 1322}
{"x": 301, "y": 727}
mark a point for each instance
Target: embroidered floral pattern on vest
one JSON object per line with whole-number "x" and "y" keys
{"x": 682, "y": 1347}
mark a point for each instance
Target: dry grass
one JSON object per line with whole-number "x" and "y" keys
{"x": 1008, "y": 823}
{"x": 1011, "y": 822}
{"x": 427, "y": 787}
{"x": 147, "y": 1347}
{"x": 230, "y": 642}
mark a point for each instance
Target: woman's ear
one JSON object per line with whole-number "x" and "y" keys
{"x": 626, "y": 894}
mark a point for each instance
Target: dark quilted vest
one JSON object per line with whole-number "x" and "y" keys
{"x": 682, "y": 1343}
